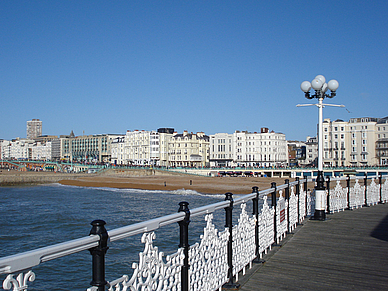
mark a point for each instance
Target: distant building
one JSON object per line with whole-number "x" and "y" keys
{"x": 34, "y": 128}
{"x": 248, "y": 149}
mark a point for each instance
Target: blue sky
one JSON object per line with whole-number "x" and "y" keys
{"x": 213, "y": 66}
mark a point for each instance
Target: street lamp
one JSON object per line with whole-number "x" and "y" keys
{"x": 320, "y": 87}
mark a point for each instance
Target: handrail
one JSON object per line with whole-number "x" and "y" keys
{"x": 26, "y": 260}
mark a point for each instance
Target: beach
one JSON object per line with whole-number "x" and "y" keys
{"x": 146, "y": 180}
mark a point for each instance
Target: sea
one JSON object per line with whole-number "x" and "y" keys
{"x": 38, "y": 216}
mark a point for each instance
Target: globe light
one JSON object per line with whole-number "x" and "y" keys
{"x": 317, "y": 84}
{"x": 324, "y": 88}
{"x": 305, "y": 86}
{"x": 333, "y": 85}
{"x": 322, "y": 78}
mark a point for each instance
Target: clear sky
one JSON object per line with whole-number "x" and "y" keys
{"x": 213, "y": 66}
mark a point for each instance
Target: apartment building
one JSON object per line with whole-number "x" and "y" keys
{"x": 247, "y": 149}
{"x": 358, "y": 142}
{"x": 34, "y": 128}
{"x": 87, "y": 148}
{"x": 221, "y": 150}
{"x": 189, "y": 150}
{"x": 382, "y": 141}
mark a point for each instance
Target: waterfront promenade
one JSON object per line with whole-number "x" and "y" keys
{"x": 346, "y": 252}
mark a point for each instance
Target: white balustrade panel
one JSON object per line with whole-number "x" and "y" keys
{"x": 281, "y": 217}
{"x": 356, "y": 195}
{"x": 151, "y": 273}
{"x": 302, "y": 204}
{"x": 208, "y": 259}
{"x": 244, "y": 245}
{"x": 338, "y": 198}
{"x": 266, "y": 231}
{"x": 384, "y": 191}
{"x": 373, "y": 193}
{"x": 293, "y": 208}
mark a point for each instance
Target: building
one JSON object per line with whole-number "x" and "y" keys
{"x": 248, "y": 149}
{"x": 189, "y": 150}
{"x": 264, "y": 149}
{"x": 382, "y": 141}
{"x": 221, "y": 150}
{"x": 34, "y": 128}
{"x": 87, "y": 148}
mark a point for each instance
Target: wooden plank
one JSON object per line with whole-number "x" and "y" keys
{"x": 348, "y": 251}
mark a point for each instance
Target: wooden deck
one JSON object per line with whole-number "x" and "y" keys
{"x": 348, "y": 251}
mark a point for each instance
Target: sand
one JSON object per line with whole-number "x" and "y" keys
{"x": 206, "y": 185}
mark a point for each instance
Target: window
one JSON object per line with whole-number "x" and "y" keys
{"x": 336, "y": 128}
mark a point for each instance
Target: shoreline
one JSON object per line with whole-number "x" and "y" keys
{"x": 144, "y": 181}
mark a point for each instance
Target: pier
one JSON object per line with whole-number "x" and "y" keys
{"x": 345, "y": 252}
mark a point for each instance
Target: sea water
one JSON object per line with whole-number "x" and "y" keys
{"x": 39, "y": 216}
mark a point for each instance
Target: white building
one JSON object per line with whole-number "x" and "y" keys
{"x": 221, "y": 150}
{"x": 382, "y": 141}
{"x": 34, "y": 128}
{"x": 247, "y": 149}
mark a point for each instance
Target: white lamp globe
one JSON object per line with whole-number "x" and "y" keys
{"x": 322, "y": 78}
{"x": 317, "y": 84}
{"x": 333, "y": 85}
{"x": 305, "y": 86}
{"x": 324, "y": 88}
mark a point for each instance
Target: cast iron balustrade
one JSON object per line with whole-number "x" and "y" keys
{"x": 219, "y": 257}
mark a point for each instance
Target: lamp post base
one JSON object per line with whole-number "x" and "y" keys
{"x": 319, "y": 215}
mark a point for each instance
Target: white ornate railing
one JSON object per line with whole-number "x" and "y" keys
{"x": 219, "y": 255}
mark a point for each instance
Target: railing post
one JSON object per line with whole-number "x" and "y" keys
{"x": 184, "y": 243}
{"x": 229, "y": 225}
{"x": 98, "y": 254}
{"x": 255, "y": 212}
{"x": 273, "y": 196}
{"x": 366, "y": 190}
{"x": 348, "y": 186}
{"x": 287, "y": 196}
{"x": 328, "y": 194}
{"x": 298, "y": 195}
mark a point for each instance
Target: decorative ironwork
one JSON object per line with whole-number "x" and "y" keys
{"x": 281, "y": 217}
{"x": 357, "y": 195}
{"x": 373, "y": 193}
{"x": 293, "y": 208}
{"x": 338, "y": 198}
{"x": 20, "y": 283}
{"x": 244, "y": 247}
{"x": 266, "y": 230}
{"x": 151, "y": 273}
{"x": 208, "y": 259}
{"x": 384, "y": 191}
{"x": 302, "y": 203}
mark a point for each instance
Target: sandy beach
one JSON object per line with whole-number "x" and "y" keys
{"x": 145, "y": 181}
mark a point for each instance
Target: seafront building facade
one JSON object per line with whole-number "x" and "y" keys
{"x": 357, "y": 142}
{"x": 248, "y": 149}
{"x": 87, "y": 148}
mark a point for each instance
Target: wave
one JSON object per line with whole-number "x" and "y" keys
{"x": 182, "y": 192}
